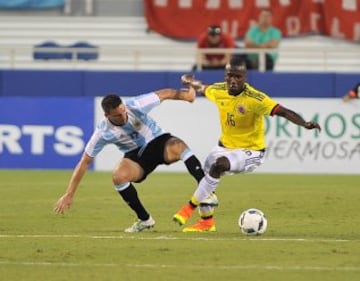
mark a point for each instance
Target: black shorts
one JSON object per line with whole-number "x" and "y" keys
{"x": 150, "y": 156}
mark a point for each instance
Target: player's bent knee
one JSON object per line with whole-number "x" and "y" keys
{"x": 220, "y": 166}
{"x": 174, "y": 148}
{"x": 176, "y": 144}
{"x": 119, "y": 177}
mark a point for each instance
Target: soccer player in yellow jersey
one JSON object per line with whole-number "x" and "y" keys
{"x": 241, "y": 146}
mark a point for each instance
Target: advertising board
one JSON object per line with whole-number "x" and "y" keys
{"x": 44, "y": 133}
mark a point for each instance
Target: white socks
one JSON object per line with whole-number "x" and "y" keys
{"x": 206, "y": 186}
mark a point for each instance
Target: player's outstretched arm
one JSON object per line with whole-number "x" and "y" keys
{"x": 296, "y": 118}
{"x": 174, "y": 94}
{"x": 66, "y": 200}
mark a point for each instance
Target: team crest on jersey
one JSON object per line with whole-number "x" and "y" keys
{"x": 137, "y": 124}
{"x": 241, "y": 109}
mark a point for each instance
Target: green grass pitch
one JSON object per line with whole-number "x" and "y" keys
{"x": 313, "y": 231}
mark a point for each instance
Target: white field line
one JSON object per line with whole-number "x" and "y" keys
{"x": 164, "y": 237}
{"x": 189, "y": 267}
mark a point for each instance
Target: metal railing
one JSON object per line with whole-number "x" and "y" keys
{"x": 260, "y": 52}
{"x": 162, "y": 57}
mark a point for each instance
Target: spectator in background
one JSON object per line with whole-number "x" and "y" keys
{"x": 263, "y": 36}
{"x": 214, "y": 37}
{"x": 354, "y": 93}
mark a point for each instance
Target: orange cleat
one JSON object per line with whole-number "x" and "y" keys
{"x": 182, "y": 216}
{"x": 203, "y": 225}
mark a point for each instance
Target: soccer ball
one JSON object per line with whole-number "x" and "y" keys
{"x": 252, "y": 222}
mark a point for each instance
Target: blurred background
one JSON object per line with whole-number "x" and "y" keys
{"x": 58, "y": 57}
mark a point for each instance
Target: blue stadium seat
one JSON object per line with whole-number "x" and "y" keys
{"x": 86, "y": 55}
{"x": 42, "y": 55}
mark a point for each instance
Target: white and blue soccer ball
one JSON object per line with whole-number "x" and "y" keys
{"x": 253, "y": 222}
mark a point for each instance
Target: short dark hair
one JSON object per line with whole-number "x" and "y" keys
{"x": 214, "y": 30}
{"x": 236, "y": 63}
{"x": 110, "y": 102}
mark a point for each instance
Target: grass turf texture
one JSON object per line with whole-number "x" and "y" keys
{"x": 313, "y": 231}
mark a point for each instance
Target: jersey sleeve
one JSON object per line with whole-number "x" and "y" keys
{"x": 265, "y": 105}
{"x": 210, "y": 92}
{"x": 95, "y": 144}
{"x": 144, "y": 102}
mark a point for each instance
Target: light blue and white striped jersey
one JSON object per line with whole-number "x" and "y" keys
{"x": 139, "y": 130}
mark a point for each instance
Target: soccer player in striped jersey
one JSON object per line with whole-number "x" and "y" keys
{"x": 241, "y": 146}
{"x": 145, "y": 146}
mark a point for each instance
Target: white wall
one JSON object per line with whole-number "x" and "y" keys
{"x": 291, "y": 149}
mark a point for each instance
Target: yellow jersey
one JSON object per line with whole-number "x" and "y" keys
{"x": 242, "y": 116}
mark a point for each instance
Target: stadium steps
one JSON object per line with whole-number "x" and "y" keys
{"x": 118, "y": 39}
{"x": 121, "y": 38}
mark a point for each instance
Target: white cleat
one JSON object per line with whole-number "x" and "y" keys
{"x": 140, "y": 225}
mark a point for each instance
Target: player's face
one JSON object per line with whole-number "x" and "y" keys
{"x": 117, "y": 116}
{"x": 235, "y": 80}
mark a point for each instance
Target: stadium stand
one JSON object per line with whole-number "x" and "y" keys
{"x": 126, "y": 44}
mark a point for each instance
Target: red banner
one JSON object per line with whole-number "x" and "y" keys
{"x": 186, "y": 19}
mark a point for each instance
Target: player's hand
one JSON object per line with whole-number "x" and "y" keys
{"x": 188, "y": 94}
{"x": 189, "y": 80}
{"x": 312, "y": 125}
{"x": 186, "y": 79}
{"x": 63, "y": 203}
